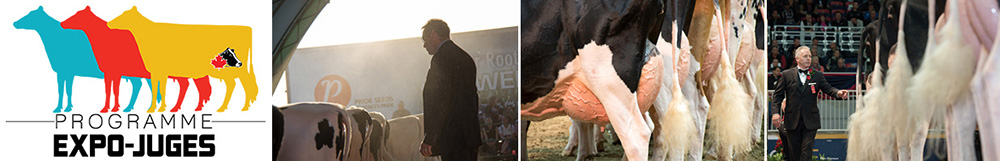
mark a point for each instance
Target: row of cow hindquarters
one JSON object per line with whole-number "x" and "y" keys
{"x": 326, "y": 131}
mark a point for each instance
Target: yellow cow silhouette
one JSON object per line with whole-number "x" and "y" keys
{"x": 184, "y": 50}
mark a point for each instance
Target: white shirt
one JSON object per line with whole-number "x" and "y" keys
{"x": 802, "y": 76}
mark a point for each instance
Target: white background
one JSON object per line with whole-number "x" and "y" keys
{"x": 28, "y": 88}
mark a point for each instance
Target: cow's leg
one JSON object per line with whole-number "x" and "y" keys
{"x": 586, "y": 141}
{"x": 115, "y": 84}
{"x": 230, "y": 83}
{"x": 162, "y": 92}
{"x": 69, "y": 94}
{"x": 659, "y": 137}
{"x": 619, "y": 102}
{"x": 136, "y": 85}
{"x": 524, "y": 138}
{"x": 960, "y": 123}
{"x": 574, "y": 137}
{"x": 107, "y": 93}
{"x": 183, "y": 82}
{"x": 249, "y": 88}
{"x": 156, "y": 91}
{"x": 204, "y": 91}
{"x": 599, "y": 136}
{"x": 153, "y": 93}
{"x": 61, "y": 81}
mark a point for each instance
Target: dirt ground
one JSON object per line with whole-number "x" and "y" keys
{"x": 546, "y": 139}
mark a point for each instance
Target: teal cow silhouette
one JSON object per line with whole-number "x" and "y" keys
{"x": 69, "y": 52}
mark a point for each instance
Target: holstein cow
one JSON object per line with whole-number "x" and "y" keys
{"x": 68, "y": 50}
{"x": 312, "y": 131}
{"x": 191, "y": 51}
{"x": 403, "y": 141}
{"x": 362, "y": 129}
{"x": 118, "y": 55}
{"x": 379, "y": 135}
{"x": 595, "y": 61}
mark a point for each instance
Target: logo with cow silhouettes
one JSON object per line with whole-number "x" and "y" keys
{"x": 134, "y": 48}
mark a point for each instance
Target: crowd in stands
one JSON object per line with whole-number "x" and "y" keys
{"x": 823, "y": 12}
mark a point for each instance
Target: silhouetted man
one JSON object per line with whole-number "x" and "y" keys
{"x": 451, "y": 104}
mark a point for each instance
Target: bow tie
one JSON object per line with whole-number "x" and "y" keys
{"x": 802, "y": 71}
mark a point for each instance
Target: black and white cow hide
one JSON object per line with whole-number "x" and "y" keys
{"x": 313, "y": 131}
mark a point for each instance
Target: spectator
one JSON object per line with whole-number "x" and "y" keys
{"x": 789, "y": 15}
{"x": 816, "y": 49}
{"x": 816, "y": 65}
{"x": 808, "y": 23}
{"x": 777, "y": 60}
{"x": 838, "y": 19}
{"x": 773, "y": 77}
{"x": 839, "y": 67}
{"x": 832, "y": 59}
{"x": 823, "y": 21}
{"x": 854, "y": 22}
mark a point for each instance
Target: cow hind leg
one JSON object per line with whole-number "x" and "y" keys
{"x": 61, "y": 81}
{"x": 204, "y": 91}
{"x": 573, "y": 139}
{"x": 152, "y": 91}
{"x": 115, "y": 85}
{"x": 183, "y": 82}
{"x": 619, "y": 102}
{"x": 587, "y": 148}
{"x": 107, "y": 93}
{"x": 249, "y": 88}
{"x": 69, "y": 94}
{"x": 136, "y": 85}
{"x": 162, "y": 92}
{"x": 230, "y": 83}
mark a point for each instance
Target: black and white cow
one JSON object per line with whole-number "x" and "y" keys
{"x": 313, "y": 131}
{"x": 554, "y": 35}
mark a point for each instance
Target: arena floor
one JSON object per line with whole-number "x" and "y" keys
{"x": 546, "y": 139}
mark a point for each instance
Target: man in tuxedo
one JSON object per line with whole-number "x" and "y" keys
{"x": 451, "y": 102}
{"x": 799, "y": 86}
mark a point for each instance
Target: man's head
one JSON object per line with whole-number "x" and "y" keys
{"x": 840, "y": 63}
{"x": 815, "y": 41}
{"x": 435, "y": 32}
{"x": 776, "y": 71}
{"x": 796, "y": 42}
{"x": 803, "y": 57}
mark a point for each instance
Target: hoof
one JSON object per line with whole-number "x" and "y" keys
{"x": 198, "y": 109}
{"x": 127, "y": 109}
{"x": 175, "y": 109}
{"x": 57, "y": 110}
{"x": 567, "y": 153}
{"x": 104, "y": 110}
{"x": 115, "y": 109}
{"x": 245, "y": 109}
{"x": 221, "y": 109}
{"x": 68, "y": 108}
{"x": 151, "y": 110}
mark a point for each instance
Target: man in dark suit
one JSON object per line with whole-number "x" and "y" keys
{"x": 451, "y": 101}
{"x": 799, "y": 86}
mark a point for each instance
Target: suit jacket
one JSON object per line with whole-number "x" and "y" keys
{"x": 451, "y": 101}
{"x": 801, "y": 103}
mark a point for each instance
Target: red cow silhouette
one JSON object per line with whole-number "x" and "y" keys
{"x": 118, "y": 55}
